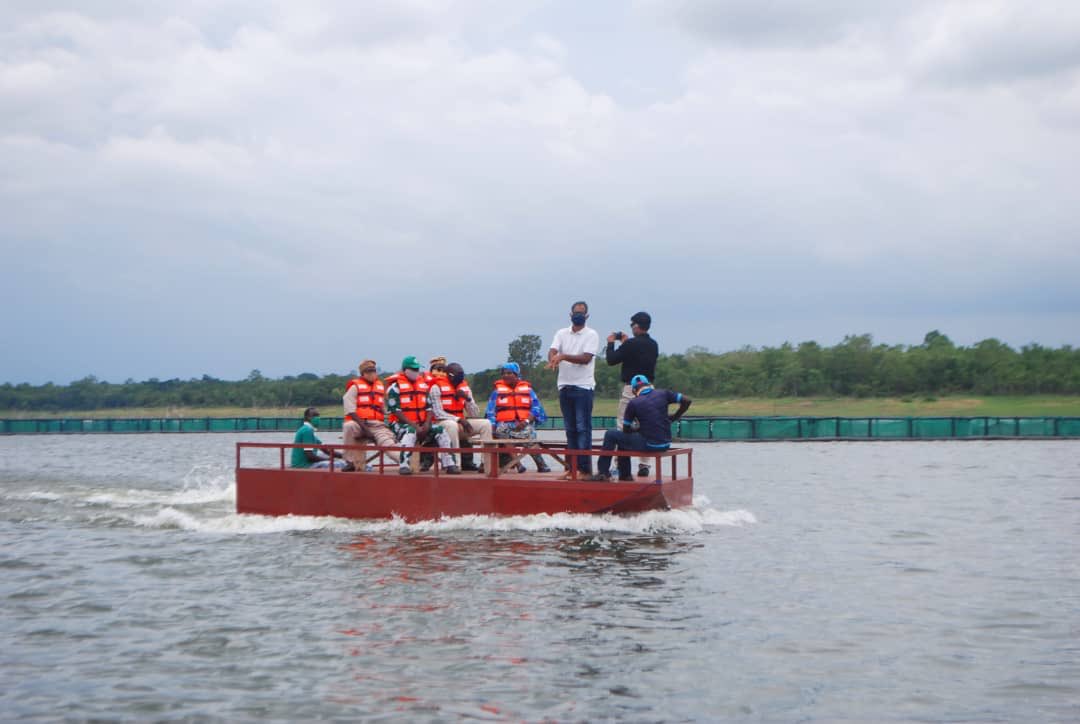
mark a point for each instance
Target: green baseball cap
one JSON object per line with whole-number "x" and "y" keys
{"x": 410, "y": 363}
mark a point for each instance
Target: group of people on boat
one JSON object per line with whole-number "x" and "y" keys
{"x": 436, "y": 408}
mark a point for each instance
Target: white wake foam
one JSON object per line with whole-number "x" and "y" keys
{"x": 36, "y": 495}
{"x": 136, "y": 498}
{"x": 684, "y": 521}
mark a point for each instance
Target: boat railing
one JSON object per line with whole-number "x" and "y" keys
{"x": 681, "y": 459}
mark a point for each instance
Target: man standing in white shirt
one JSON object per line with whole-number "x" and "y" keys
{"x": 573, "y": 351}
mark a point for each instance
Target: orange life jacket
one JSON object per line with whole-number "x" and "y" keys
{"x": 512, "y": 404}
{"x": 450, "y": 401}
{"x": 370, "y": 398}
{"x": 413, "y": 399}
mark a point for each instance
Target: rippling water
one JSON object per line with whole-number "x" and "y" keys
{"x": 821, "y": 582}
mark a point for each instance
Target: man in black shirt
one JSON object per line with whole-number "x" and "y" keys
{"x": 637, "y": 355}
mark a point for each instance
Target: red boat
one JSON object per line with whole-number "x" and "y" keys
{"x": 272, "y": 488}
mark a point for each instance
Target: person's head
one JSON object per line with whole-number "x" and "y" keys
{"x": 369, "y": 370}
{"x": 312, "y": 415}
{"x": 640, "y": 323}
{"x": 410, "y": 368}
{"x": 456, "y": 373}
{"x": 511, "y": 373}
{"x": 639, "y": 384}
{"x": 437, "y": 364}
{"x": 579, "y": 312}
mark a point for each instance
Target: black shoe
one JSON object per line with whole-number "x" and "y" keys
{"x": 627, "y": 479}
{"x": 520, "y": 468}
{"x": 643, "y": 470}
{"x": 452, "y": 470}
{"x": 543, "y": 469}
{"x": 424, "y": 467}
{"x": 470, "y": 468}
{"x": 599, "y": 478}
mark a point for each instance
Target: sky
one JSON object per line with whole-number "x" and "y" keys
{"x": 207, "y": 187}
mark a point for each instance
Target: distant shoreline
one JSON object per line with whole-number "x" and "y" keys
{"x": 914, "y": 406}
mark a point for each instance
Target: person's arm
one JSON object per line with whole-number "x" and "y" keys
{"x": 489, "y": 413}
{"x": 348, "y": 403}
{"x": 435, "y": 403}
{"x": 424, "y": 427}
{"x": 684, "y": 405}
{"x": 471, "y": 408}
{"x": 615, "y": 355}
{"x": 308, "y": 437}
{"x": 328, "y": 452}
{"x": 393, "y": 406}
{"x": 585, "y": 357}
{"x": 629, "y": 416}
{"x": 577, "y": 359}
{"x": 536, "y": 409}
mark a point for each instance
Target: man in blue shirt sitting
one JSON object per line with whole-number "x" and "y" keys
{"x": 649, "y": 408}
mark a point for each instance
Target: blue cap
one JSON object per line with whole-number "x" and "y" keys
{"x": 513, "y": 367}
{"x": 638, "y": 381}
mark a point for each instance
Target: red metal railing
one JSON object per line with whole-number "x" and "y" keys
{"x": 490, "y": 452}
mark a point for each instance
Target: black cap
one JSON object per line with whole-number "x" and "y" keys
{"x": 642, "y": 319}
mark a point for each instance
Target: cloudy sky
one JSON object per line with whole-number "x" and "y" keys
{"x": 210, "y": 187}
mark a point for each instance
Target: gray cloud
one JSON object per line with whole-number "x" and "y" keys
{"x": 777, "y": 23}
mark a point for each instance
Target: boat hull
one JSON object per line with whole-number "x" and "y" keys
{"x": 419, "y": 497}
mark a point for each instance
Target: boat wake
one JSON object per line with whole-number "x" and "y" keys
{"x": 205, "y": 503}
{"x": 201, "y": 486}
{"x": 693, "y": 520}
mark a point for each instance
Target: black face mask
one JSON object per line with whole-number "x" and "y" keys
{"x": 578, "y": 318}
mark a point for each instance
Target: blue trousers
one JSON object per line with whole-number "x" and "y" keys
{"x": 576, "y": 405}
{"x": 619, "y": 440}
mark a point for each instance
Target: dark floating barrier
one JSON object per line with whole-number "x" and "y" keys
{"x": 688, "y": 429}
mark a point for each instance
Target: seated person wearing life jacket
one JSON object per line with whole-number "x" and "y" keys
{"x": 453, "y": 407}
{"x": 513, "y": 410}
{"x": 306, "y": 457}
{"x": 410, "y": 415}
{"x": 364, "y": 403}
{"x": 649, "y": 408}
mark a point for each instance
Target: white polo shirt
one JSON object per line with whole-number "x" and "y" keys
{"x": 567, "y": 341}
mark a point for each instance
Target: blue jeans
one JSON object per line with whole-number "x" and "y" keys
{"x": 576, "y": 406}
{"x": 619, "y": 440}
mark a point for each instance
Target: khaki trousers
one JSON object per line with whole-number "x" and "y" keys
{"x": 624, "y": 400}
{"x": 374, "y": 430}
{"x": 481, "y": 427}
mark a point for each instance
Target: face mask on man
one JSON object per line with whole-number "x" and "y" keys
{"x": 315, "y": 421}
{"x": 578, "y": 318}
{"x": 412, "y": 375}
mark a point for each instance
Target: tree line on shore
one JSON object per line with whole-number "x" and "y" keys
{"x": 856, "y": 367}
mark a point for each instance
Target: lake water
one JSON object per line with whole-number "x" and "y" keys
{"x": 872, "y": 581}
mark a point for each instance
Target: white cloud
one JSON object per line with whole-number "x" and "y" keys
{"x": 304, "y": 148}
